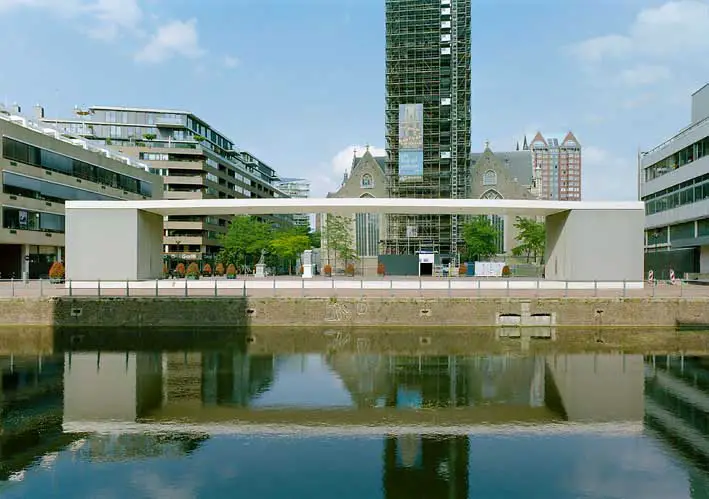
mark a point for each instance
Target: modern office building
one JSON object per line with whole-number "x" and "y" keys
{"x": 41, "y": 169}
{"x": 427, "y": 118}
{"x": 195, "y": 160}
{"x": 296, "y": 188}
{"x": 557, "y": 167}
{"x": 674, "y": 184}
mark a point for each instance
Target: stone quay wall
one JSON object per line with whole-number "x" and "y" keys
{"x": 323, "y": 312}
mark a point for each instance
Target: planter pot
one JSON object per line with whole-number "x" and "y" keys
{"x": 231, "y": 277}
{"x": 56, "y": 281}
{"x": 193, "y": 277}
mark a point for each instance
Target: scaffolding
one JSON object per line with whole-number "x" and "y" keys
{"x": 428, "y": 62}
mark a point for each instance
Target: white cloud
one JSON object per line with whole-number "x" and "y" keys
{"x": 644, "y": 74}
{"x": 176, "y": 38}
{"x": 674, "y": 29}
{"x": 230, "y": 61}
{"x": 114, "y": 16}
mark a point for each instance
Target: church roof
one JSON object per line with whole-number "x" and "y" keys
{"x": 518, "y": 164}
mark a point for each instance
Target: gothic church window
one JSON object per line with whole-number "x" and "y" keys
{"x": 367, "y": 182}
{"x": 490, "y": 178}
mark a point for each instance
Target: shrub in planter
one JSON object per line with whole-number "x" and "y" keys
{"x": 300, "y": 270}
{"x": 193, "y": 271}
{"x": 231, "y": 271}
{"x": 380, "y": 269}
{"x": 219, "y": 270}
{"x": 463, "y": 269}
{"x": 165, "y": 270}
{"x": 506, "y": 271}
{"x": 327, "y": 269}
{"x": 207, "y": 269}
{"x": 56, "y": 272}
{"x": 350, "y": 270}
{"x": 180, "y": 269}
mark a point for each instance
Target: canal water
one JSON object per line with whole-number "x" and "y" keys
{"x": 240, "y": 422}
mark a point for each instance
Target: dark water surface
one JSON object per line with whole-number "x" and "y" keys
{"x": 230, "y": 422}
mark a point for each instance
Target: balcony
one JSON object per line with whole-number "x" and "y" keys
{"x": 196, "y": 180}
{"x": 183, "y": 195}
{"x": 170, "y": 122}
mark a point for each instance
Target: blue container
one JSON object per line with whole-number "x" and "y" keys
{"x": 470, "y": 269}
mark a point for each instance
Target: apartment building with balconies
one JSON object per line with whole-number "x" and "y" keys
{"x": 40, "y": 170}
{"x": 195, "y": 160}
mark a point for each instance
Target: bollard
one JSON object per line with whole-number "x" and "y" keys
{"x": 508, "y": 287}
{"x": 391, "y": 288}
{"x": 595, "y": 288}
{"x": 302, "y": 287}
{"x": 243, "y": 289}
{"x": 566, "y": 289}
{"x": 624, "y": 289}
{"x": 449, "y": 288}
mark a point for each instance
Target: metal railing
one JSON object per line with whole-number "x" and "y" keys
{"x": 347, "y": 286}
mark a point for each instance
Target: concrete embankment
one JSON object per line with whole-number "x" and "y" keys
{"x": 323, "y": 312}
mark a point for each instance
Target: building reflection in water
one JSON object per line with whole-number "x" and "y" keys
{"x": 677, "y": 411}
{"x": 109, "y": 405}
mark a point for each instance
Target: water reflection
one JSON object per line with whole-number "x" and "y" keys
{"x": 207, "y": 423}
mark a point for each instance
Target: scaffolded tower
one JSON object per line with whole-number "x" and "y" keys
{"x": 428, "y": 97}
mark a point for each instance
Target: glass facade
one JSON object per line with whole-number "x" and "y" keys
{"x": 16, "y": 218}
{"x": 683, "y": 157}
{"x": 20, "y": 185}
{"x": 691, "y": 191}
{"x": 14, "y": 150}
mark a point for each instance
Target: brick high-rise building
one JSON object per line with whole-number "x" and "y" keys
{"x": 557, "y": 167}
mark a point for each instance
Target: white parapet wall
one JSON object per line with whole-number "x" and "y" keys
{"x": 586, "y": 241}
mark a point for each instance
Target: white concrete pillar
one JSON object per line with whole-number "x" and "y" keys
{"x": 59, "y": 253}
{"x": 25, "y": 262}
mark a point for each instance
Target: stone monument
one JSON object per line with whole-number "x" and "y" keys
{"x": 308, "y": 264}
{"x": 261, "y": 265}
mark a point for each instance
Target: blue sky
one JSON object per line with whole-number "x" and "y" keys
{"x": 300, "y": 83}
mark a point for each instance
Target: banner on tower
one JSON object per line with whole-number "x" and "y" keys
{"x": 410, "y": 142}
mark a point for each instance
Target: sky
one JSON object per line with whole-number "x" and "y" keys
{"x": 300, "y": 83}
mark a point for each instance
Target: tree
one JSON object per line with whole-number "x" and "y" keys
{"x": 338, "y": 235}
{"x": 315, "y": 238}
{"x": 289, "y": 247}
{"x": 149, "y": 136}
{"x": 480, "y": 238}
{"x": 532, "y": 235}
{"x": 246, "y": 237}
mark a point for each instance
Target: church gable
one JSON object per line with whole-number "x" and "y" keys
{"x": 366, "y": 178}
{"x": 490, "y": 176}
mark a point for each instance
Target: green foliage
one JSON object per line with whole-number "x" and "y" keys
{"x": 532, "y": 235}
{"x": 480, "y": 238}
{"x": 246, "y": 237}
{"x": 149, "y": 136}
{"x": 315, "y": 238}
{"x": 199, "y": 138}
{"x": 289, "y": 246}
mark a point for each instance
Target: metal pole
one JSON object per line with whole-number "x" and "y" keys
{"x": 157, "y": 292}
{"x": 302, "y": 287}
{"x": 127, "y": 288}
{"x": 41, "y": 287}
{"x": 98, "y": 284}
{"x": 449, "y": 288}
{"x": 508, "y": 286}
{"x": 595, "y": 288}
{"x": 623, "y": 288}
{"x": 12, "y": 286}
{"x": 566, "y": 289}
{"x": 274, "y": 285}
{"x": 186, "y": 287}
{"x": 70, "y": 293}
{"x": 215, "y": 288}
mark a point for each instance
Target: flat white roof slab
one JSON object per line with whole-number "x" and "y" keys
{"x": 405, "y": 206}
